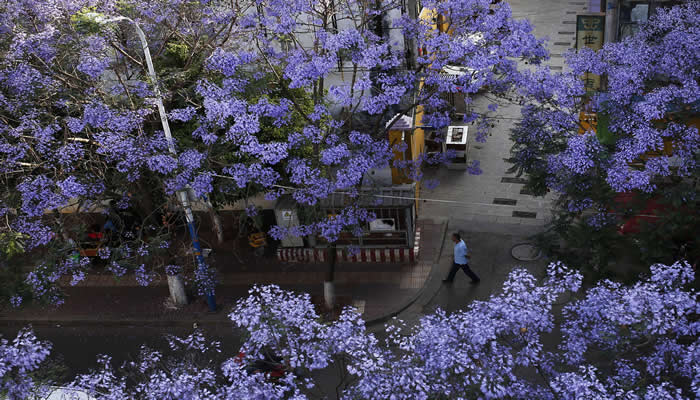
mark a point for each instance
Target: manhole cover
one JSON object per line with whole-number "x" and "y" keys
{"x": 525, "y": 252}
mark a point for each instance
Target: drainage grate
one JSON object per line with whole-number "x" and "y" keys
{"x": 526, "y": 191}
{"x": 562, "y": 44}
{"x": 571, "y": 12}
{"x": 555, "y": 55}
{"x": 556, "y": 67}
{"x": 525, "y": 252}
{"x": 504, "y": 202}
{"x": 566, "y": 33}
{"x": 508, "y": 179}
{"x": 524, "y": 214}
{"x": 577, "y": 3}
{"x": 569, "y": 22}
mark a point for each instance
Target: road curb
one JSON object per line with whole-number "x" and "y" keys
{"x": 433, "y": 271}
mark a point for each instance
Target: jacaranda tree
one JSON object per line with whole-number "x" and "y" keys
{"x": 538, "y": 339}
{"x": 253, "y": 96}
{"x": 636, "y": 171}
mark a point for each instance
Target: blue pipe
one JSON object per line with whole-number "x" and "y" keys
{"x": 201, "y": 264}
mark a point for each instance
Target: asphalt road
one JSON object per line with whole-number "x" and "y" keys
{"x": 79, "y": 346}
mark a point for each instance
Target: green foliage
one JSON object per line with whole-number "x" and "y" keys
{"x": 572, "y": 240}
{"x": 84, "y": 21}
{"x": 177, "y": 51}
{"x": 124, "y": 7}
{"x": 605, "y": 136}
{"x": 674, "y": 234}
{"x": 266, "y": 87}
{"x": 11, "y": 244}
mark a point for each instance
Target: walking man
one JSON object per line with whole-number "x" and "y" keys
{"x": 461, "y": 260}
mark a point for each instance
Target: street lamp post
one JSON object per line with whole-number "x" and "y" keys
{"x": 181, "y": 194}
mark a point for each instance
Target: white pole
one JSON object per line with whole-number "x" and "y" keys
{"x": 181, "y": 194}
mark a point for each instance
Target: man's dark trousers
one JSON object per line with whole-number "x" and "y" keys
{"x": 465, "y": 268}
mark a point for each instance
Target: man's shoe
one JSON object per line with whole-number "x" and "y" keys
{"x": 475, "y": 282}
{"x": 446, "y": 281}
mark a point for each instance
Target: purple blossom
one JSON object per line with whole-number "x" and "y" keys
{"x": 143, "y": 277}
{"x": 183, "y": 114}
{"x": 205, "y": 279}
{"x": 74, "y": 124}
{"x": 78, "y": 276}
{"x": 335, "y": 154}
{"x": 104, "y": 253}
{"x": 116, "y": 269}
{"x": 71, "y": 188}
{"x": 16, "y": 301}
{"x": 474, "y": 168}
{"x": 251, "y": 210}
{"x": 490, "y": 349}
{"x": 92, "y": 66}
{"x": 19, "y": 360}
{"x": 142, "y": 250}
{"x": 173, "y": 270}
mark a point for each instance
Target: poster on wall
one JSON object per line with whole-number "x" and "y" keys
{"x": 590, "y": 32}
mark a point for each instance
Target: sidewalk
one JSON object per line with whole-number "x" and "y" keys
{"x": 379, "y": 291}
{"x": 490, "y": 244}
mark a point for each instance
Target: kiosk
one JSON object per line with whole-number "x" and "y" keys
{"x": 457, "y": 140}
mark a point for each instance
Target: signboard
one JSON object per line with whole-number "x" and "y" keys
{"x": 588, "y": 122}
{"x": 287, "y": 215}
{"x": 590, "y": 32}
{"x": 457, "y": 135}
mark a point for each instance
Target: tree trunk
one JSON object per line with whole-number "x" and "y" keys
{"x": 177, "y": 290}
{"x": 217, "y": 225}
{"x": 216, "y": 222}
{"x": 329, "y": 282}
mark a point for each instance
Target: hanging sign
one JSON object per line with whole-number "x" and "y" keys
{"x": 590, "y": 32}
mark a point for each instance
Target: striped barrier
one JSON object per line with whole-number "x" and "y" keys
{"x": 301, "y": 254}
{"x": 390, "y": 255}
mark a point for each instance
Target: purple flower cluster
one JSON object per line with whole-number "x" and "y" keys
{"x": 17, "y": 362}
{"x": 205, "y": 278}
{"x": 117, "y": 269}
{"x": 639, "y": 109}
{"x": 173, "y": 270}
{"x": 142, "y": 276}
{"x": 16, "y": 301}
{"x": 93, "y": 66}
{"x": 499, "y": 347}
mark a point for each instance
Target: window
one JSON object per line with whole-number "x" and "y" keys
{"x": 632, "y": 15}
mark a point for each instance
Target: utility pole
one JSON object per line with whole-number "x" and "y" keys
{"x": 181, "y": 194}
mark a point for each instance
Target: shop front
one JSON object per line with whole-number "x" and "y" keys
{"x": 390, "y": 237}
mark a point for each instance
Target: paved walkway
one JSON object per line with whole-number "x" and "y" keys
{"x": 491, "y": 229}
{"x": 490, "y": 244}
{"x": 496, "y": 196}
{"x": 377, "y": 290}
